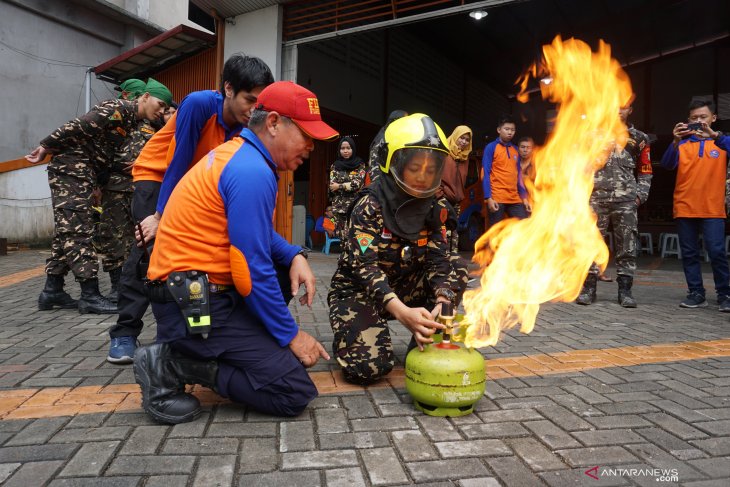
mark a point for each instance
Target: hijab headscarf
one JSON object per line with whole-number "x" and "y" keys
{"x": 353, "y": 162}
{"x": 456, "y": 153}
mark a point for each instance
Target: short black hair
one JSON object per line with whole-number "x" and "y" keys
{"x": 695, "y": 104}
{"x": 245, "y": 73}
{"x": 505, "y": 119}
{"x": 526, "y": 138}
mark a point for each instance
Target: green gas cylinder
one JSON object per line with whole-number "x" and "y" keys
{"x": 445, "y": 379}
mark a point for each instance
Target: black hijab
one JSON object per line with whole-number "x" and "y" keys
{"x": 347, "y": 164}
{"x": 405, "y": 215}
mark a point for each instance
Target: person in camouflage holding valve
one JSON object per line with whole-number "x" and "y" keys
{"x": 617, "y": 194}
{"x": 395, "y": 261}
{"x": 116, "y": 228}
{"x": 80, "y": 149}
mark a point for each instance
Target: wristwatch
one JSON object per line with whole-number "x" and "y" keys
{"x": 446, "y": 293}
{"x": 304, "y": 253}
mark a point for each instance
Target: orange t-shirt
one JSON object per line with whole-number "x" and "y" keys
{"x": 501, "y": 173}
{"x": 700, "y": 188}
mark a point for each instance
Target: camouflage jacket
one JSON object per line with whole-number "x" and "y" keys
{"x": 120, "y": 174}
{"x": 377, "y": 263}
{"x": 351, "y": 182}
{"x": 83, "y": 145}
{"x": 616, "y": 181}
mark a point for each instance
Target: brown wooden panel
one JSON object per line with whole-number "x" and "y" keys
{"x": 15, "y": 164}
{"x": 284, "y": 203}
{"x": 193, "y": 74}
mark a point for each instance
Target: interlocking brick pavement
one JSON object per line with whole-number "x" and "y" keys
{"x": 597, "y": 386}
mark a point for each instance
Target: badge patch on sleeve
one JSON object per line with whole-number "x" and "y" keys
{"x": 364, "y": 240}
{"x": 116, "y": 115}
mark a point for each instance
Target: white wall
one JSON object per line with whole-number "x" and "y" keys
{"x": 258, "y": 34}
{"x": 42, "y": 88}
{"x": 25, "y": 205}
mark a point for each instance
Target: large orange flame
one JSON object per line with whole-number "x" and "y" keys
{"x": 547, "y": 256}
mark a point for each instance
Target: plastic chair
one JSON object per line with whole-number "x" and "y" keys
{"x": 318, "y": 227}
{"x": 646, "y": 244}
{"x": 308, "y": 234}
{"x": 670, "y": 245}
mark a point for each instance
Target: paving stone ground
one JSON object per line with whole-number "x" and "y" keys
{"x": 630, "y": 397}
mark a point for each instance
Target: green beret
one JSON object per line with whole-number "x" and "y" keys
{"x": 158, "y": 90}
{"x": 135, "y": 87}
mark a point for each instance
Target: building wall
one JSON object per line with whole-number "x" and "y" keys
{"x": 43, "y": 87}
{"x": 257, "y": 33}
{"x": 355, "y": 75}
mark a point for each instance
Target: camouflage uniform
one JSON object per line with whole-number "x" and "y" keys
{"x": 615, "y": 189}
{"x": 116, "y": 228}
{"x": 341, "y": 200}
{"x": 374, "y": 267}
{"x": 376, "y": 158}
{"x": 81, "y": 147}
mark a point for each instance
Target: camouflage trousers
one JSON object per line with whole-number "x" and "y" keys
{"x": 452, "y": 236}
{"x": 72, "y": 247}
{"x": 116, "y": 229}
{"x": 622, "y": 216}
{"x": 362, "y": 344}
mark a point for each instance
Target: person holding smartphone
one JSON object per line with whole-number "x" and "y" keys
{"x": 699, "y": 154}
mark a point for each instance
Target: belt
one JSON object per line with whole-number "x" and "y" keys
{"x": 158, "y": 292}
{"x": 218, "y": 288}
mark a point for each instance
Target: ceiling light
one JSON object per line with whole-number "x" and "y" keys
{"x": 478, "y": 14}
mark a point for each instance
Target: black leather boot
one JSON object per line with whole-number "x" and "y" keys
{"x": 191, "y": 371}
{"x": 588, "y": 293}
{"x": 114, "y": 276}
{"x": 625, "y": 298}
{"x": 91, "y": 300}
{"x": 53, "y": 295}
{"x": 163, "y": 394}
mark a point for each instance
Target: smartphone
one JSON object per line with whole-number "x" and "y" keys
{"x": 694, "y": 126}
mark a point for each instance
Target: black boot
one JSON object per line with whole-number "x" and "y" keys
{"x": 588, "y": 293}
{"x": 54, "y": 295}
{"x": 163, "y": 394}
{"x": 625, "y": 298}
{"x": 91, "y": 300}
{"x": 114, "y": 276}
{"x": 191, "y": 371}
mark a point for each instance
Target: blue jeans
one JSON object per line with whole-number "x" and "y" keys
{"x": 513, "y": 210}
{"x": 713, "y": 234}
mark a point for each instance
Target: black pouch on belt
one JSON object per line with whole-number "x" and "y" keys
{"x": 190, "y": 290}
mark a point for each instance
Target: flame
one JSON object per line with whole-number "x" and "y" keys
{"x": 546, "y": 257}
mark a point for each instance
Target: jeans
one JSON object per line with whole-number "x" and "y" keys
{"x": 513, "y": 210}
{"x": 713, "y": 235}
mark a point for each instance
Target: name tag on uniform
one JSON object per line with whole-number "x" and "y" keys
{"x": 422, "y": 242}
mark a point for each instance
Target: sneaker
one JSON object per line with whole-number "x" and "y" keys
{"x": 693, "y": 300}
{"x": 724, "y": 304}
{"x": 121, "y": 350}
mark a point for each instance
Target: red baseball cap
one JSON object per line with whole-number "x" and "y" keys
{"x": 298, "y": 103}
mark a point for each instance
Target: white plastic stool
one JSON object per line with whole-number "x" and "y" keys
{"x": 670, "y": 245}
{"x": 646, "y": 244}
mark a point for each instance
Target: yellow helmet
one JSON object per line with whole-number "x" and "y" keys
{"x": 417, "y": 148}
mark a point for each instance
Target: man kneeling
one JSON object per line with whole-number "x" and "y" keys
{"x": 222, "y": 319}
